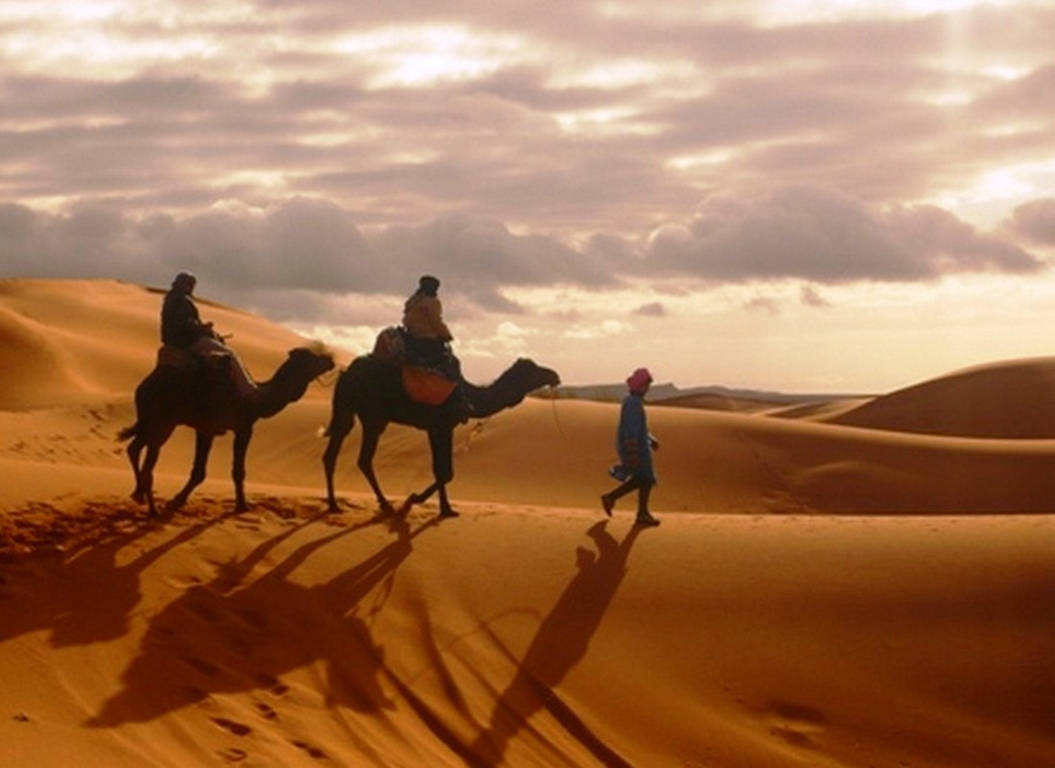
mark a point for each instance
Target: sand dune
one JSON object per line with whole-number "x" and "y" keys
{"x": 819, "y": 594}
{"x": 1011, "y": 399}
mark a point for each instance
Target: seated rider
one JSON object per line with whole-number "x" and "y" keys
{"x": 181, "y": 327}
{"x": 427, "y": 336}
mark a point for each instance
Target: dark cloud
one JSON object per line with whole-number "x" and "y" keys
{"x": 303, "y": 245}
{"x": 827, "y": 238}
{"x": 1036, "y": 220}
{"x": 767, "y": 304}
{"x": 313, "y": 246}
{"x": 810, "y": 296}
{"x": 652, "y": 309}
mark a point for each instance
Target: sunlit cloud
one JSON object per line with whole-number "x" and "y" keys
{"x": 797, "y": 11}
{"x": 414, "y": 56}
{"x": 604, "y": 329}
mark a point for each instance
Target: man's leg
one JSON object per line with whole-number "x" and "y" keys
{"x": 644, "y": 517}
{"x": 608, "y": 499}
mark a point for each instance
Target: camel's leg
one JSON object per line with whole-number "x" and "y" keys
{"x": 442, "y": 443}
{"x": 446, "y": 510}
{"x": 135, "y": 448}
{"x": 418, "y": 498}
{"x": 146, "y": 475}
{"x": 371, "y": 434}
{"x": 340, "y": 425}
{"x": 241, "y": 445}
{"x": 202, "y": 446}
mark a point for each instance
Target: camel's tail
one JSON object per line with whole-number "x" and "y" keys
{"x": 128, "y": 432}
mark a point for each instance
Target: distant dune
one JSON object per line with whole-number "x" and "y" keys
{"x": 836, "y": 581}
{"x": 1011, "y": 399}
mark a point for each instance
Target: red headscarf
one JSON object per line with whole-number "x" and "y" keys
{"x": 638, "y": 380}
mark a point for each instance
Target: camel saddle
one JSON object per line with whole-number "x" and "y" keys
{"x": 423, "y": 385}
{"x": 170, "y": 356}
{"x": 208, "y": 377}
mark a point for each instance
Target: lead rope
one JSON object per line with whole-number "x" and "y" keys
{"x": 556, "y": 417}
{"x": 328, "y": 379}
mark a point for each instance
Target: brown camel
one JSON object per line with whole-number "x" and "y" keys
{"x": 371, "y": 390}
{"x": 170, "y": 396}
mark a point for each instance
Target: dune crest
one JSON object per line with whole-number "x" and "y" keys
{"x": 1013, "y": 399}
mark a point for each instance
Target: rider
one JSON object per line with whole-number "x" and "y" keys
{"x": 181, "y": 327}
{"x": 427, "y": 335}
{"x": 428, "y": 340}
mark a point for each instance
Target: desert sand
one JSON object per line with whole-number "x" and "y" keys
{"x": 866, "y": 583}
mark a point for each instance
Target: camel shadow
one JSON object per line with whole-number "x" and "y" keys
{"x": 228, "y": 636}
{"x": 561, "y": 643}
{"x": 65, "y": 599}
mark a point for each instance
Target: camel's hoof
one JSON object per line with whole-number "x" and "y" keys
{"x": 387, "y": 508}
{"x": 445, "y": 513}
{"x": 139, "y": 497}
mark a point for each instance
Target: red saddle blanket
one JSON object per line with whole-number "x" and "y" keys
{"x": 426, "y": 386}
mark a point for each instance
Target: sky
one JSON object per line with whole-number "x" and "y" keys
{"x": 793, "y": 195}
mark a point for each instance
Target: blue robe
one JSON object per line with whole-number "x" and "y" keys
{"x": 633, "y": 441}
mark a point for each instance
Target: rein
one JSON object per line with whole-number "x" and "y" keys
{"x": 556, "y": 417}
{"x": 328, "y": 379}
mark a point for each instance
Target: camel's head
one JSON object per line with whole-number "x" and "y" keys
{"x": 310, "y": 362}
{"x": 534, "y": 375}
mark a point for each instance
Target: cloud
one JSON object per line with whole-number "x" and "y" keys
{"x": 588, "y": 118}
{"x": 825, "y": 237}
{"x": 600, "y": 330}
{"x": 652, "y": 309}
{"x": 766, "y": 304}
{"x": 811, "y": 297}
{"x": 280, "y": 256}
{"x": 1036, "y": 220}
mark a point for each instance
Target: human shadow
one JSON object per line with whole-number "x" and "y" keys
{"x": 87, "y": 597}
{"x": 227, "y": 636}
{"x": 560, "y": 643}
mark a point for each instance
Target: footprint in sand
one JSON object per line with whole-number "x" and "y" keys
{"x": 206, "y": 668}
{"x": 315, "y": 752}
{"x": 795, "y": 722}
{"x": 238, "y": 729}
{"x": 233, "y": 754}
{"x": 272, "y": 683}
{"x": 266, "y": 711}
{"x": 194, "y": 694}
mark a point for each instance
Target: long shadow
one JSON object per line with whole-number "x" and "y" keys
{"x": 223, "y": 637}
{"x": 561, "y": 642}
{"x": 87, "y": 598}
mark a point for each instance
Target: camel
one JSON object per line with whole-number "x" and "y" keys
{"x": 371, "y": 389}
{"x": 171, "y": 396}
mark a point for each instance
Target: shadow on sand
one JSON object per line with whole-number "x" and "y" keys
{"x": 561, "y": 642}
{"x": 66, "y": 598}
{"x": 226, "y": 636}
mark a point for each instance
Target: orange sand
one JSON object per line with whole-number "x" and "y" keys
{"x": 899, "y": 612}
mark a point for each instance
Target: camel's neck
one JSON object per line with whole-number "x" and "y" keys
{"x": 276, "y": 394}
{"x": 487, "y": 401}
